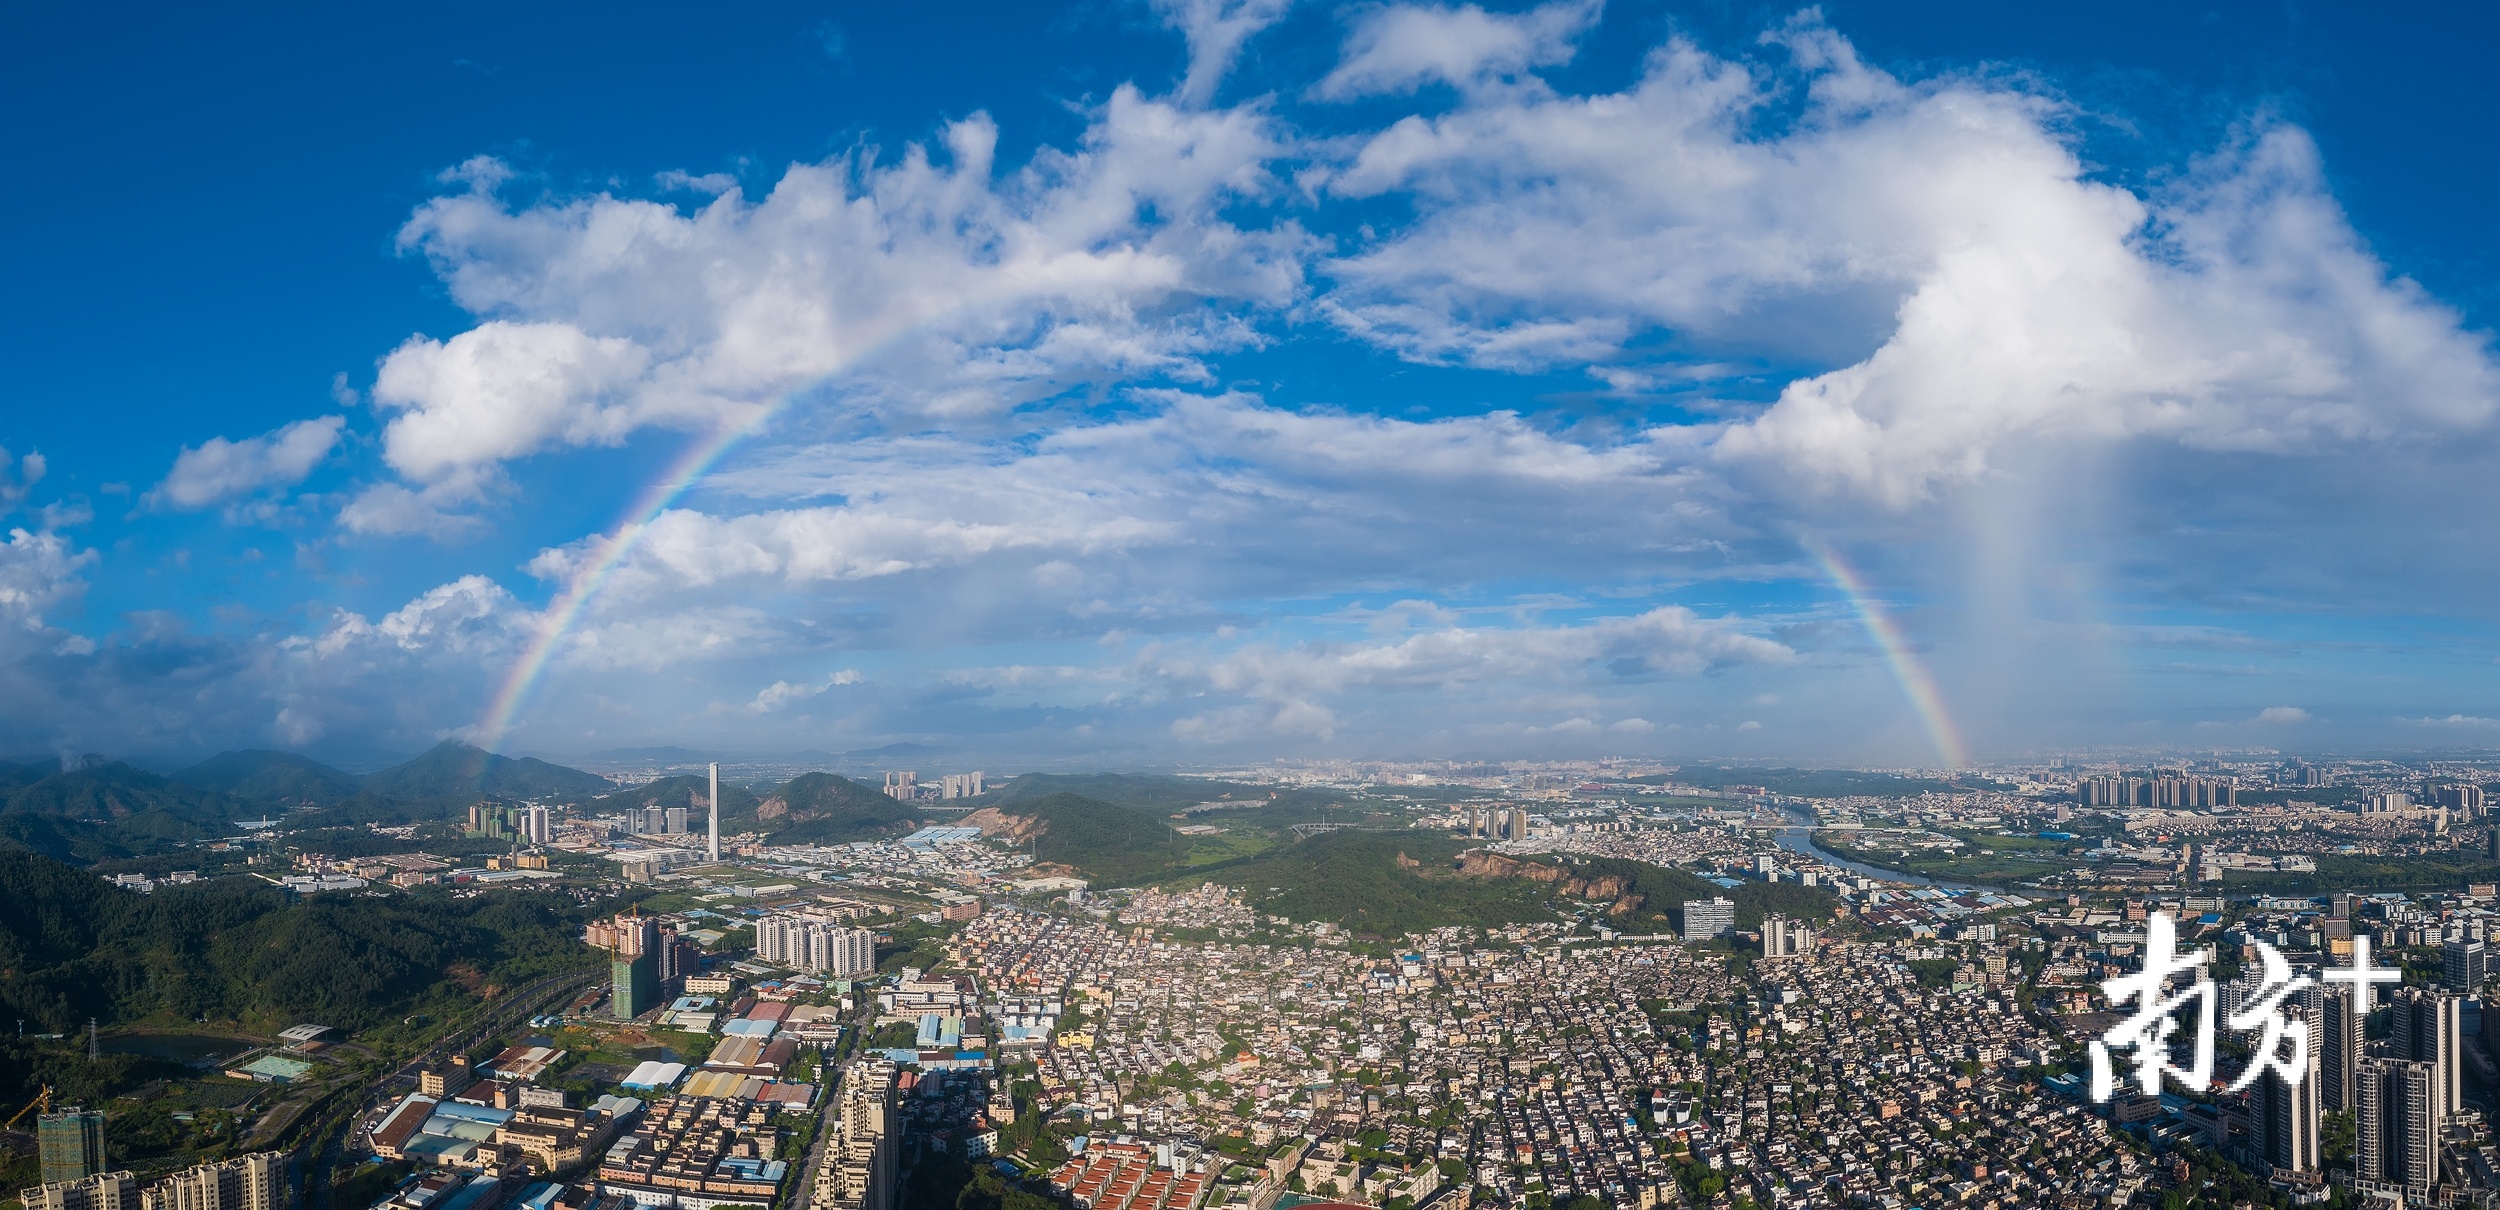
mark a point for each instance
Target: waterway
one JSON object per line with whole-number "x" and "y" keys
{"x": 194, "y": 1050}
{"x": 1800, "y": 839}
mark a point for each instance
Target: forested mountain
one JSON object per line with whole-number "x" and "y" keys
{"x": 133, "y": 801}
{"x": 73, "y": 947}
{"x": 452, "y": 769}
{"x": 1108, "y": 844}
{"x": 821, "y": 808}
{"x": 96, "y": 809}
{"x": 280, "y": 777}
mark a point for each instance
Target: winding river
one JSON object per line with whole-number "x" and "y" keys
{"x": 1799, "y": 838}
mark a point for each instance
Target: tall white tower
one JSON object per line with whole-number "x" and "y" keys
{"x": 716, "y": 810}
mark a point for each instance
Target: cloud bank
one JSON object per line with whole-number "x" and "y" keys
{"x": 1037, "y": 449}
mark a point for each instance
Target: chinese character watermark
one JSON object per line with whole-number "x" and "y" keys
{"x": 2148, "y": 1029}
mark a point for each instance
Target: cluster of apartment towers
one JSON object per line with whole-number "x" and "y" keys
{"x": 1495, "y": 823}
{"x": 70, "y": 1145}
{"x": 2401, "y": 1097}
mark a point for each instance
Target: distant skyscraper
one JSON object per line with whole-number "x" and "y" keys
{"x": 70, "y": 1144}
{"x": 1518, "y": 823}
{"x": 902, "y": 784}
{"x": 1705, "y": 919}
{"x": 676, "y": 821}
{"x": 961, "y": 785}
{"x": 713, "y": 845}
{"x": 2463, "y": 961}
{"x": 538, "y": 825}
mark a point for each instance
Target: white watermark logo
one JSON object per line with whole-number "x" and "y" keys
{"x": 2148, "y": 1030}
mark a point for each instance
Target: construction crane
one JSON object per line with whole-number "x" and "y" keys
{"x": 42, "y": 1101}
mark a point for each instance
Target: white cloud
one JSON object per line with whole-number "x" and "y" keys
{"x": 14, "y": 487}
{"x": 503, "y": 389}
{"x": 2282, "y": 715}
{"x": 1947, "y": 225}
{"x": 782, "y": 693}
{"x": 2468, "y": 721}
{"x": 1632, "y": 726}
{"x": 1402, "y": 47}
{"x": 219, "y": 471}
{"x": 1216, "y": 31}
{"x": 911, "y": 288}
{"x": 1289, "y": 681}
{"x": 39, "y": 571}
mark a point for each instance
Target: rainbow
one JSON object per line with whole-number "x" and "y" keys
{"x": 593, "y": 574}
{"x": 1917, "y": 683}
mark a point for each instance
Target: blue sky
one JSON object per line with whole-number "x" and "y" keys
{"x": 1202, "y": 380}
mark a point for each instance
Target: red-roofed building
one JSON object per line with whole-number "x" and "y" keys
{"x": 1124, "y": 1176}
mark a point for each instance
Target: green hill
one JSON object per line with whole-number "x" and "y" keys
{"x": 1108, "y": 844}
{"x": 73, "y": 947}
{"x": 132, "y": 800}
{"x": 1384, "y": 884}
{"x": 821, "y": 808}
{"x": 452, "y": 769}
{"x": 1392, "y": 883}
{"x": 280, "y": 777}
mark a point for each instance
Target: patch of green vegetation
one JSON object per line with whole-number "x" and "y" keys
{"x": 2367, "y": 873}
{"x": 240, "y": 950}
{"x": 2017, "y": 858}
{"x": 1109, "y": 845}
{"x": 1383, "y": 883}
{"x": 1226, "y": 847}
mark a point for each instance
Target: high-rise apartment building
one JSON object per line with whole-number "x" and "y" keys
{"x": 634, "y": 985}
{"x": 103, "y": 1191}
{"x": 2430, "y": 1028}
{"x": 860, "y": 1159}
{"x": 2339, "y": 1058}
{"x": 1706, "y": 919}
{"x": 2462, "y": 798}
{"x": 2463, "y": 965}
{"x": 902, "y": 784}
{"x": 70, "y": 1144}
{"x": 2396, "y": 1130}
{"x": 813, "y": 943}
{"x": 676, "y": 821}
{"x": 1518, "y": 823}
{"x": 538, "y": 825}
{"x": 252, "y": 1182}
{"x": 2165, "y": 789}
{"x": 2286, "y": 1112}
{"x": 960, "y": 785}
{"x": 1782, "y": 937}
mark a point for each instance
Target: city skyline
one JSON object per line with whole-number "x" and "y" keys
{"x": 1191, "y": 382}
